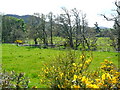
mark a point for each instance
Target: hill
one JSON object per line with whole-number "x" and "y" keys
{"x": 24, "y": 17}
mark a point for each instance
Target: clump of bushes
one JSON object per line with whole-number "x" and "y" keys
{"x": 19, "y": 42}
{"x": 13, "y": 80}
{"x": 67, "y": 71}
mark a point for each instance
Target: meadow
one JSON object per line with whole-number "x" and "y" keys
{"x": 31, "y": 60}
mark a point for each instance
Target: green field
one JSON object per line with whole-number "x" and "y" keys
{"x": 30, "y": 60}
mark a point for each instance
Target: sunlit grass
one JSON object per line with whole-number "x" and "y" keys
{"x": 30, "y": 60}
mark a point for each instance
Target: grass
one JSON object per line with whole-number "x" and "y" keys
{"x": 30, "y": 60}
{"x": 56, "y": 40}
{"x": 103, "y": 44}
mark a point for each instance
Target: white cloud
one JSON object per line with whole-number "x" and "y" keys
{"x": 91, "y": 7}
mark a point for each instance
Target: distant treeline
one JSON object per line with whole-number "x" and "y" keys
{"x": 71, "y": 25}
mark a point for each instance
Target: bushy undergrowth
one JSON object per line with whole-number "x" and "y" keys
{"x": 13, "y": 80}
{"x": 67, "y": 71}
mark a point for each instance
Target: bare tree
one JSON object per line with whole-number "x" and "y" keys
{"x": 51, "y": 22}
{"x": 77, "y": 27}
{"x": 66, "y": 22}
{"x": 44, "y": 33}
{"x": 116, "y": 19}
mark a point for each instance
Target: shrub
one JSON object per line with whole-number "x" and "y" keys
{"x": 65, "y": 69}
{"x": 13, "y": 80}
{"x": 66, "y": 72}
{"x": 19, "y": 41}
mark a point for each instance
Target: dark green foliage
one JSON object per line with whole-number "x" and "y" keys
{"x": 12, "y": 29}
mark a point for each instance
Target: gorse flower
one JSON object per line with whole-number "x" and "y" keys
{"x": 92, "y": 86}
{"x": 75, "y": 86}
{"x": 71, "y": 74}
{"x": 19, "y": 41}
{"x": 74, "y": 64}
{"x": 75, "y": 77}
{"x": 97, "y": 80}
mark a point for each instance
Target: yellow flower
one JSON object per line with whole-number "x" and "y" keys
{"x": 114, "y": 80}
{"x": 97, "y": 80}
{"x": 111, "y": 71}
{"x": 18, "y": 41}
{"x": 108, "y": 66}
{"x": 89, "y": 60}
{"x": 81, "y": 57}
{"x": 89, "y": 86}
{"x": 41, "y": 80}
{"x": 92, "y": 86}
{"x": 108, "y": 76}
{"x": 100, "y": 84}
{"x": 61, "y": 74}
{"x": 58, "y": 86}
{"x": 76, "y": 86}
{"x": 95, "y": 86}
{"x": 103, "y": 66}
{"x": 87, "y": 82}
{"x": 117, "y": 73}
{"x": 83, "y": 79}
{"x": 56, "y": 78}
{"x": 74, "y": 64}
{"x": 105, "y": 85}
{"x": 75, "y": 77}
{"x": 79, "y": 77}
{"x": 34, "y": 87}
{"x": 80, "y": 65}
{"x": 106, "y": 61}
{"x": 103, "y": 77}
{"x": 110, "y": 62}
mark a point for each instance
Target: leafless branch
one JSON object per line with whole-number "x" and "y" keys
{"x": 118, "y": 12}
{"x": 116, "y": 3}
{"x": 108, "y": 19}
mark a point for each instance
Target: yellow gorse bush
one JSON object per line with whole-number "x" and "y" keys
{"x": 19, "y": 41}
{"x": 65, "y": 72}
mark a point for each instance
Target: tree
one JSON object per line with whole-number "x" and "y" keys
{"x": 50, "y": 17}
{"x": 0, "y": 28}
{"x": 44, "y": 33}
{"x": 33, "y": 28}
{"x": 97, "y": 27}
{"x": 116, "y": 19}
{"x": 77, "y": 27}
{"x": 12, "y": 29}
{"x": 65, "y": 20}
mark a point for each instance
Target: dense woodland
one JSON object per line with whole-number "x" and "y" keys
{"x": 71, "y": 25}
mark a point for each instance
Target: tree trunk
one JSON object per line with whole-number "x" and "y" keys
{"x": 119, "y": 40}
{"x": 51, "y": 35}
{"x": 35, "y": 40}
{"x": 71, "y": 42}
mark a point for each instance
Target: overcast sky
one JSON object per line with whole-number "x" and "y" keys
{"x": 91, "y": 7}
